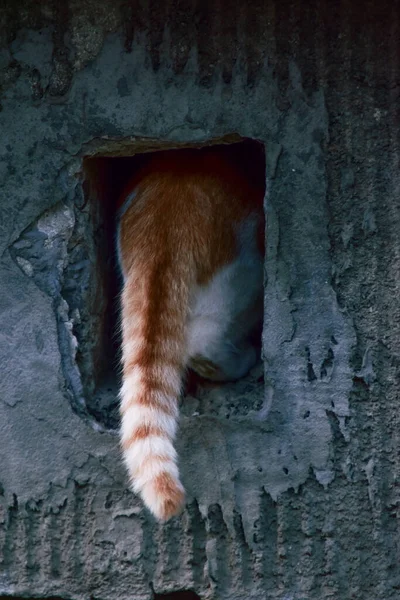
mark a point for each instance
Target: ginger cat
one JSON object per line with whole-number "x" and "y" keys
{"x": 191, "y": 251}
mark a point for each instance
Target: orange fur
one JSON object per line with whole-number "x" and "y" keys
{"x": 179, "y": 231}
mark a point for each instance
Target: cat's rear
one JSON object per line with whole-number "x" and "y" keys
{"x": 191, "y": 253}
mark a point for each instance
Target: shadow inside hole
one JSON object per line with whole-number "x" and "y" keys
{"x": 99, "y": 360}
{"x": 183, "y": 595}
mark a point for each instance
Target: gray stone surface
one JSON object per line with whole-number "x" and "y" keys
{"x": 293, "y": 488}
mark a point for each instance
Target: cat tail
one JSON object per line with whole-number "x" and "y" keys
{"x": 155, "y": 306}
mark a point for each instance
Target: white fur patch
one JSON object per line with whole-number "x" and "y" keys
{"x": 150, "y": 446}
{"x": 216, "y": 306}
{"x": 152, "y": 470}
{"x": 169, "y": 377}
{"x": 225, "y": 311}
{"x": 139, "y": 415}
{"x": 133, "y": 326}
{"x": 131, "y": 387}
{"x": 133, "y": 345}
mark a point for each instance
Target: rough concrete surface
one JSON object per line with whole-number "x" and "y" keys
{"x": 292, "y": 479}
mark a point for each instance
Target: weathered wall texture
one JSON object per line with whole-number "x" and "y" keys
{"x": 293, "y": 492}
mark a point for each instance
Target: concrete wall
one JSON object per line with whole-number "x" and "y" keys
{"x": 293, "y": 490}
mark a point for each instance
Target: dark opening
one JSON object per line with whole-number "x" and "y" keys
{"x": 98, "y": 354}
{"x": 184, "y": 595}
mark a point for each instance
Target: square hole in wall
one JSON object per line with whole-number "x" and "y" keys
{"x": 97, "y": 303}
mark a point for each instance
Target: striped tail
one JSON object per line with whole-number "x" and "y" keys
{"x": 155, "y": 304}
